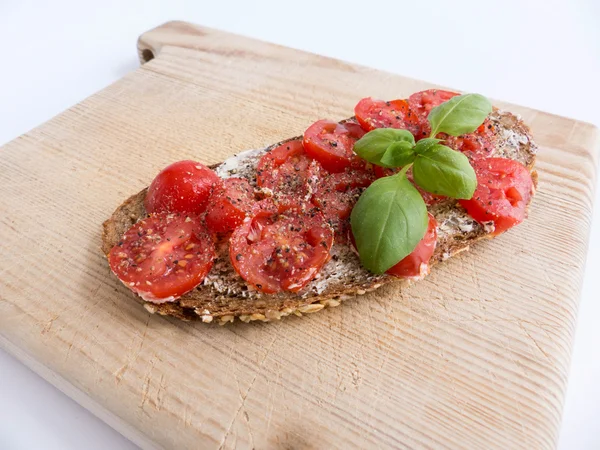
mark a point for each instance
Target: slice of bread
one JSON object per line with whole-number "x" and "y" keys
{"x": 224, "y": 295}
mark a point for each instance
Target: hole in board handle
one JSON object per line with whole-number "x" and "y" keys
{"x": 147, "y": 55}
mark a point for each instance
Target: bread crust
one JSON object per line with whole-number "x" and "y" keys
{"x": 226, "y": 296}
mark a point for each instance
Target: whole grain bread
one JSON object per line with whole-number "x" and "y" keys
{"x": 224, "y": 295}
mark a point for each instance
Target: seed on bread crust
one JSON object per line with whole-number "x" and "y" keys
{"x": 312, "y": 308}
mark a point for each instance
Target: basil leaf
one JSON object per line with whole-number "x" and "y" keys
{"x": 425, "y": 144}
{"x": 388, "y": 221}
{"x": 444, "y": 171}
{"x": 373, "y": 145}
{"x": 398, "y": 154}
{"x": 459, "y": 115}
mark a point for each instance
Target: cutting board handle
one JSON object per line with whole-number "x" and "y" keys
{"x": 175, "y": 33}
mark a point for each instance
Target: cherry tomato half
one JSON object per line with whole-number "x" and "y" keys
{"x": 288, "y": 170}
{"x": 337, "y": 194}
{"x": 424, "y": 101}
{"x": 373, "y": 114}
{"x": 504, "y": 189}
{"x": 229, "y": 203}
{"x": 163, "y": 256}
{"x": 281, "y": 247}
{"x": 332, "y": 143}
{"x": 477, "y": 145}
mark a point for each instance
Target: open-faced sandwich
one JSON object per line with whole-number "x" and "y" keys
{"x": 307, "y": 222}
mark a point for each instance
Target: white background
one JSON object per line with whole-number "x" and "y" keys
{"x": 543, "y": 54}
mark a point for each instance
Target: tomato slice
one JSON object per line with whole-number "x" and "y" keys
{"x": 417, "y": 263}
{"x": 373, "y": 114}
{"x": 230, "y": 202}
{"x": 428, "y": 197}
{"x": 288, "y": 170}
{"x": 424, "y": 101}
{"x": 477, "y": 145}
{"x": 163, "y": 256}
{"x": 281, "y": 247}
{"x": 332, "y": 143}
{"x": 337, "y": 194}
{"x": 182, "y": 187}
{"x": 504, "y": 189}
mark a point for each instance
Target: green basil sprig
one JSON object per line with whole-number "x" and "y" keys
{"x": 390, "y": 217}
{"x": 425, "y": 144}
{"x": 386, "y": 147}
{"x": 443, "y": 171}
{"x": 459, "y": 115}
{"x": 388, "y": 221}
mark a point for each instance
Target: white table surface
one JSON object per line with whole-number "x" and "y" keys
{"x": 544, "y": 54}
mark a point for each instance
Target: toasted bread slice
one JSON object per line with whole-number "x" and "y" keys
{"x": 224, "y": 295}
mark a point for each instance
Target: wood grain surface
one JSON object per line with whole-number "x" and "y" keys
{"x": 475, "y": 356}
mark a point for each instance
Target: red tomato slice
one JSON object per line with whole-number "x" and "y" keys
{"x": 428, "y": 197}
{"x": 423, "y": 102}
{"x": 417, "y": 263}
{"x": 476, "y": 145}
{"x": 230, "y": 202}
{"x": 332, "y": 143}
{"x": 280, "y": 248}
{"x": 337, "y": 194}
{"x": 504, "y": 189}
{"x": 287, "y": 169}
{"x": 163, "y": 256}
{"x": 182, "y": 187}
{"x": 373, "y": 114}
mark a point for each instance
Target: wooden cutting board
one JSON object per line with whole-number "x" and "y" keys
{"x": 475, "y": 356}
